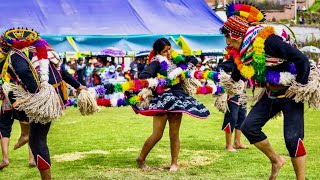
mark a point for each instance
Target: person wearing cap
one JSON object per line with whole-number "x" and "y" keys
{"x": 127, "y": 74}
{"x": 119, "y": 71}
{"x": 33, "y": 80}
{"x": 269, "y": 57}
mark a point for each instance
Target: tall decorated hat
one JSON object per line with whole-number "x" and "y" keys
{"x": 4, "y": 48}
{"x": 20, "y": 37}
{"x": 240, "y": 17}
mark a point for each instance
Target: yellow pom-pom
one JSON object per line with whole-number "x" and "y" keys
{"x": 247, "y": 71}
{"x": 125, "y": 86}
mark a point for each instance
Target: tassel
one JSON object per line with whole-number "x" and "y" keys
{"x": 87, "y": 103}
{"x": 146, "y": 95}
{"x": 41, "y": 107}
{"x": 221, "y": 103}
{"x": 231, "y": 87}
{"x": 308, "y": 92}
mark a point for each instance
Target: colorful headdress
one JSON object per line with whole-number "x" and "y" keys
{"x": 4, "y": 48}
{"x": 20, "y": 38}
{"x": 240, "y": 17}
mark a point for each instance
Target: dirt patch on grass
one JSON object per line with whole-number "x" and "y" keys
{"x": 76, "y": 155}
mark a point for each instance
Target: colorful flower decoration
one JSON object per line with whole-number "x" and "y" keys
{"x": 257, "y": 68}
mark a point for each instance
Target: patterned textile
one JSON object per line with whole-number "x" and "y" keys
{"x": 173, "y": 101}
{"x": 236, "y": 26}
{"x": 246, "y": 51}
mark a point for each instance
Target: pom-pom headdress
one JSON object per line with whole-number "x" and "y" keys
{"x": 20, "y": 37}
{"x": 240, "y": 17}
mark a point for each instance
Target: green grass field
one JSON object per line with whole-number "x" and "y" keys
{"x": 105, "y": 145}
{"x": 315, "y": 7}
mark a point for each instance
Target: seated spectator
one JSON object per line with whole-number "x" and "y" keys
{"x": 110, "y": 74}
{"x": 119, "y": 71}
{"x": 96, "y": 77}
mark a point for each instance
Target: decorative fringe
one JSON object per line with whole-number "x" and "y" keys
{"x": 190, "y": 86}
{"x": 243, "y": 100}
{"x": 41, "y": 107}
{"x": 309, "y": 92}
{"x": 146, "y": 95}
{"x": 221, "y": 103}
{"x": 231, "y": 87}
{"x": 87, "y": 103}
{"x": 6, "y": 87}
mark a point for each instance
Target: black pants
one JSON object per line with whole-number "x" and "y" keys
{"x": 38, "y": 144}
{"x": 267, "y": 107}
{"x": 6, "y": 122}
{"x": 235, "y": 116}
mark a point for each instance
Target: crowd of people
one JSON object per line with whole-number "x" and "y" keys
{"x": 91, "y": 72}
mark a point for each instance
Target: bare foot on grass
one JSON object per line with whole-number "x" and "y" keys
{"x": 276, "y": 166}
{"x": 22, "y": 141}
{"x": 4, "y": 164}
{"x": 32, "y": 163}
{"x": 230, "y": 149}
{"x": 173, "y": 168}
{"x": 141, "y": 163}
{"x": 240, "y": 146}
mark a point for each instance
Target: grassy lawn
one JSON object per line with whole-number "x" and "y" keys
{"x": 104, "y": 146}
{"x": 315, "y": 7}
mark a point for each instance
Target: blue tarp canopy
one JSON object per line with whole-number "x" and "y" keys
{"x": 95, "y": 24}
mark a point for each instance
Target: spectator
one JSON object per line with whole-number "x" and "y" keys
{"x": 127, "y": 74}
{"x": 80, "y": 71}
{"x": 119, "y": 71}
{"x": 141, "y": 65}
{"x": 96, "y": 77}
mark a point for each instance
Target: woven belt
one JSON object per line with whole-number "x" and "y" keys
{"x": 63, "y": 86}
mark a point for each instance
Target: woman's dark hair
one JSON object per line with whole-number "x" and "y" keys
{"x": 160, "y": 44}
{"x": 224, "y": 30}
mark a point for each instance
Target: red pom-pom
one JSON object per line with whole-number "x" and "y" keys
{"x": 103, "y": 102}
{"x": 144, "y": 83}
{"x": 198, "y": 90}
{"x": 42, "y": 52}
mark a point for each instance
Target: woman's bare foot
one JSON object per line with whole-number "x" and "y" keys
{"x": 230, "y": 149}
{"x": 22, "y": 141}
{"x": 173, "y": 168}
{"x": 4, "y": 164}
{"x": 240, "y": 146}
{"x": 276, "y": 166}
{"x": 32, "y": 163}
{"x": 141, "y": 163}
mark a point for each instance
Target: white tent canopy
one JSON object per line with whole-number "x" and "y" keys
{"x": 311, "y": 49}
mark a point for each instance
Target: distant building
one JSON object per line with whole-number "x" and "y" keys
{"x": 271, "y": 15}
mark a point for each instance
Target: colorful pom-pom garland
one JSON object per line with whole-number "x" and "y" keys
{"x": 105, "y": 94}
